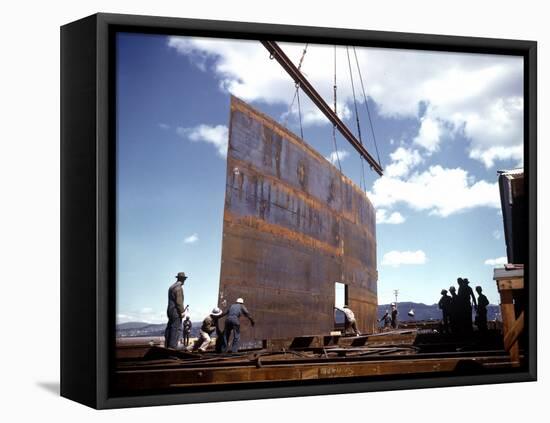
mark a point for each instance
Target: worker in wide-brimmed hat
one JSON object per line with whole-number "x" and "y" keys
{"x": 175, "y": 312}
{"x": 233, "y": 324}
{"x": 208, "y": 327}
{"x": 187, "y": 326}
{"x": 466, "y": 297}
{"x": 481, "y": 310}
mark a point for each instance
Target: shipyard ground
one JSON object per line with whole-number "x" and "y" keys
{"x": 145, "y": 366}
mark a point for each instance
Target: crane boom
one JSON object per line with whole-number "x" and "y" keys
{"x": 278, "y": 54}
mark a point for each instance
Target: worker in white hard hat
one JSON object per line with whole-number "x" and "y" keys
{"x": 233, "y": 324}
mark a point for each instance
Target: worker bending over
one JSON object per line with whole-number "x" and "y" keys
{"x": 349, "y": 320}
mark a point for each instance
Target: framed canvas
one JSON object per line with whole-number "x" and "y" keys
{"x": 258, "y": 211}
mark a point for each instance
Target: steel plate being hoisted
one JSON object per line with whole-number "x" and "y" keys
{"x": 293, "y": 226}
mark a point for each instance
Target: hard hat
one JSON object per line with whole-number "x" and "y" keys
{"x": 216, "y": 311}
{"x": 239, "y": 301}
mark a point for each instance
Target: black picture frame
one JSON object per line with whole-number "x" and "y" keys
{"x": 88, "y": 241}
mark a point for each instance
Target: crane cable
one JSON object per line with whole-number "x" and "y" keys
{"x": 299, "y": 110}
{"x": 297, "y": 96}
{"x": 334, "y": 126}
{"x": 366, "y": 105}
{"x": 364, "y": 186}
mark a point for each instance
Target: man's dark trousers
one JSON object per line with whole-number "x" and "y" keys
{"x": 173, "y": 330}
{"x": 232, "y": 325}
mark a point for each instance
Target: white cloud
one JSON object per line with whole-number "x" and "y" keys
{"x": 191, "y": 239}
{"x": 398, "y": 258}
{"x": 383, "y": 216}
{"x": 334, "y": 156}
{"x": 164, "y": 126}
{"x": 497, "y": 234}
{"x": 440, "y": 191}
{"x": 497, "y": 261}
{"x": 489, "y": 156}
{"x": 403, "y": 161}
{"x": 479, "y": 96}
{"x": 429, "y": 134}
{"x": 216, "y": 135}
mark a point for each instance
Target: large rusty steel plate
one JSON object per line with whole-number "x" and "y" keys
{"x": 293, "y": 226}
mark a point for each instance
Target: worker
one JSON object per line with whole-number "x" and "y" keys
{"x": 187, "y": 325}
{"x": 481, "y": 310}
{"x": 208, "y": 327}
{"x": 349, "y": 320}
{"x": 386, "y": 318}
{"x": 465, "y": 293}
{"x": 445, "y": 306}
{"x": 233, "y": 324}
{"x": 219, "y": 335}
{"x": 175, "y": 312}
{"x": 454, "y": 313}
{"x": 394, "y": 316}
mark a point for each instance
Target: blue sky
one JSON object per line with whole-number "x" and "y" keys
{"x": 444, "y": 124}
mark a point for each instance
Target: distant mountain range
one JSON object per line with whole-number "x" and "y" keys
{"x": 421, "y": 312}
{"x": 132, "y": 329}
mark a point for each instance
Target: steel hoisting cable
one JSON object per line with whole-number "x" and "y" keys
{"x": 334, "y": 87}
{"x": 296, "y": 91}
{"x": 366, "y": 105}
{"x": 356, "y": 119}
{"x": 303, "y": 55}
{"x": 299, "y": 110}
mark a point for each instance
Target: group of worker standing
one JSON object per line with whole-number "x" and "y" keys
{"x": 457, "y": 309}
{"x": 179, "y": 324}
{"x": 389, "y": 319}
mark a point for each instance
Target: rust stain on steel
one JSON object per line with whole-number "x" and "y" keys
{"x": 293, "y": 226}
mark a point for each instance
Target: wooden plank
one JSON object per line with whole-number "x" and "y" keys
{"x": 507, "y": 284}
{"x": 514, "y": 332}
{"x": 508, "y": 320}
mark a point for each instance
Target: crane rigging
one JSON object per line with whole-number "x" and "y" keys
{"x": 278, "y": 54}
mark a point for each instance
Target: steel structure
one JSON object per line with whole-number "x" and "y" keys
{"x": 293, "y": 227}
